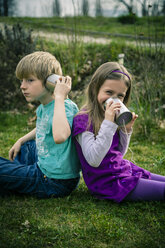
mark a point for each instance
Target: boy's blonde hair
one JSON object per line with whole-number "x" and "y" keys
{"x": 104, "y": 72}
{"x": 40, "y": 64}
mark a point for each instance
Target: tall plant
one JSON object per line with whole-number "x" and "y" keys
{"x": 149, "y": 95}
{"x": 85, "y": 7}
{"x": 15, "y": 42}
{"x": 56, "y": 8}
{"x": 98, "y": 8}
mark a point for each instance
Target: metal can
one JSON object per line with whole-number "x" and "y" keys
{"x": 123, "y": 116}
{"x": 51, "y": 81}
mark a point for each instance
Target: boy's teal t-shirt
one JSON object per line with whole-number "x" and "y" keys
{"x": 58, "y": 161}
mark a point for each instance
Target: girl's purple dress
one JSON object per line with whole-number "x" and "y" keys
{"x": 115, "y": 177}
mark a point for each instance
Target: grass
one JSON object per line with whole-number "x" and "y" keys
{"x": 80, "y": 220}
{"x": 93, "y": 25}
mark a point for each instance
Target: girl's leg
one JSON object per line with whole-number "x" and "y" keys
{"x": 147, "y": 190}
{"x": 157, "y": 177}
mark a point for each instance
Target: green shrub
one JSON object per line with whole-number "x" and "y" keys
{"x": 15, "y": 42}
{"x": 148, "y": 95}
{"x": 128, "y": 19}
{"x": 80, "y": 60}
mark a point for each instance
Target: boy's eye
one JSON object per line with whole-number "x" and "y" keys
{"x": 30, "y": 80}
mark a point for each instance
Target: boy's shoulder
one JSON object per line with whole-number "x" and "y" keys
{"x": 70, "y": 105}
{"x": 39, "y": 109}
{"x": 45, "y": 108}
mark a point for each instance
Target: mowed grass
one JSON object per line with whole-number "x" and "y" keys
{"x": 106, "y": 26}
{"x": 80, "y": 221}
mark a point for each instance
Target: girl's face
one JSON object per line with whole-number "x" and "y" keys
{"x": 112, "y": 88}
{"x": 34, "y": 90}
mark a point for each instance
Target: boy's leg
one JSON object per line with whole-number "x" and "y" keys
{"x": 29, "y": 179}
{"x": 28, "y": 153}
{"x": 24, "y": 176}
{"x": 147, "y": 190}
{"x": 20, "y": 178}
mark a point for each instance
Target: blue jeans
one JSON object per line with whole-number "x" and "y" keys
{"x": 23, "y": 176}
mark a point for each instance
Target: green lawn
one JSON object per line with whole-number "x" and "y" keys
{"x": 80, "y": 221}
{"x": 146, "y": 26}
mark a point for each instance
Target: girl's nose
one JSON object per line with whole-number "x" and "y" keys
{"x": 114, "y": 96}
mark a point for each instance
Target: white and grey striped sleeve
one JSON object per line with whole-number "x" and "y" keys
{"x": 95, "y": 148}
{"x": 124, "y": 141}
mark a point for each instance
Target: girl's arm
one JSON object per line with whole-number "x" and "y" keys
{"x": 124, "y": 141}
{"x": 95, "y": 149}
{"x": 125, "y": 135}
{"x": 17, "y": 146}
{"x": 60, "y": 126}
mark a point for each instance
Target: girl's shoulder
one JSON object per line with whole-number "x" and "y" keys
{"x": 81, "y": 116}
{"x": 80, "y": 123}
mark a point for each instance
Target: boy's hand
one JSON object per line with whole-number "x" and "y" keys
{"x": 63, "y": 87}
{"x": 14, "y": 150}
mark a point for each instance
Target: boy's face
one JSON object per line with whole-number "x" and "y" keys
{"x": 34, "y": 90}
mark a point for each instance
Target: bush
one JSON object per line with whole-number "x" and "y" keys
{"x": 82, "y": 59}
{"x": 128, "y": 19}
{"x": 15, "y": 43}
{"x": 148, "y": 89}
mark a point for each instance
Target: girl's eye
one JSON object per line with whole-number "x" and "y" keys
{"x": 121, "y": 97}
{"x": 109, "y": 92}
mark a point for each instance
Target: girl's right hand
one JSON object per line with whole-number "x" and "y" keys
{"x": 111, "y": 109}
{"x": 15, "y": 150}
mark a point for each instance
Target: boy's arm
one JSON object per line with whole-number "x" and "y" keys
{"x": 29, "y": 136}
{"x": 60, "y": 126}
{"x": 17, "y": 146}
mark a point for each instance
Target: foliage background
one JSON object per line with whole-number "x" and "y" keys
{"x": 80, "y": 220}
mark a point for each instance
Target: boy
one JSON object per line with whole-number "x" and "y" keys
{"x": 49, "y": 166}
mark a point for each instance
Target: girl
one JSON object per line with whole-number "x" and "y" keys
{"x": 101, "y": 144}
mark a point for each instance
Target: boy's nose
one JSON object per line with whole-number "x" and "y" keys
{"x": 23, "y": 84}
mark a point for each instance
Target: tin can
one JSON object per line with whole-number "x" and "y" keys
{"x": 123, "y": 116}
{"x": 51, "y": 81}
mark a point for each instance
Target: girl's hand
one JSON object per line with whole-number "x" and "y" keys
{"x": 111, "y": 109}
{"x": 63, "y": 87}
{"x": 131, "y": 123}
{"x": 15, "y": 150}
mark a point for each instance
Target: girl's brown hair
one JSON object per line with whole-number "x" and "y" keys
{"x": 104, "y": 72}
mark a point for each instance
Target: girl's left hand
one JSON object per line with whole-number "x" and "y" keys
{"x": 131, "y": 123}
